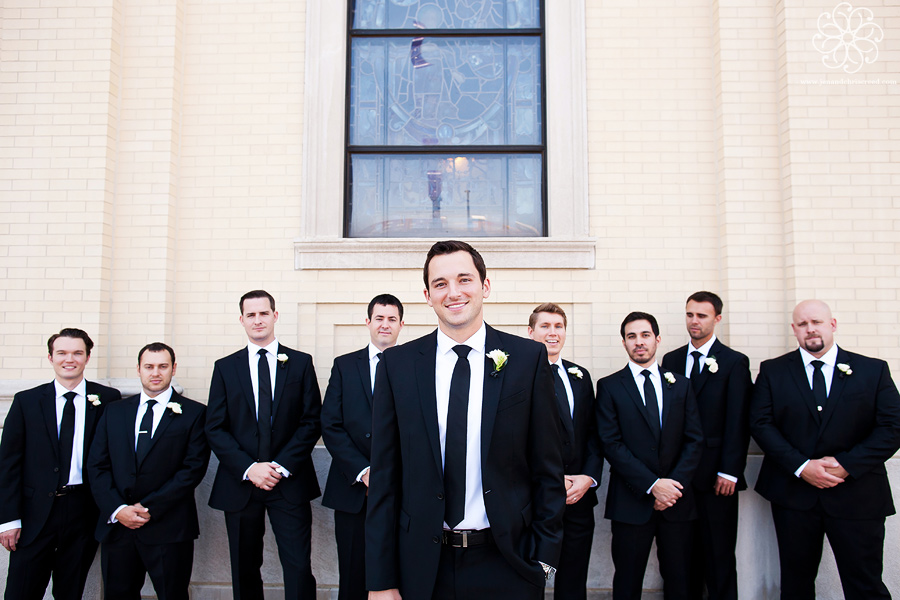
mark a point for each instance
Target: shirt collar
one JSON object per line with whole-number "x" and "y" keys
{"x": 373, "y": 351}
{"x": 80, "y": 389}
{"x": 271, "y": 348}
{"x": 162, "y": 398}
{"x": 705, "y": 348}
{"x": 636, "y": 369}
{"x": 829, "y": 358}
{"x": 476, "y": 342}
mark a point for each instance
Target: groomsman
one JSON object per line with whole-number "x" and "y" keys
{"x": 262, "y": 421}
{"x": 46, "y": 506}
{"x": 347, "y": 432}
{"x": 720, "y": 379}
{"x": 467, "y": 494}
{"x": 652, "y": 437}
{"x": 148, "y": 456}
{"x": 582, "y": 453}
{"x": 827, "y": 420}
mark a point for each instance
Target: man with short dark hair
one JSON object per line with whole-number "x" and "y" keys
{"x": 651, "y": 433}
{"x": 347, "y": 433}
{"x": 466, "y": 494}
{"x": 45, "y": 500}
{"x": 262, "y": 421}
{"x": 827, "y": 420}
{"x": 148, "y": 456}
{"x": 720, "y": 379}
{"x": 582, "y": 453}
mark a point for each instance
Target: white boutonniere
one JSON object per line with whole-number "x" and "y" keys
{"x": 670, "y": 379}
{"x": 282, "y": 359}
{"x": 711, "y": 364}
{"x": 500, "y": 358}
{"x": 576, "y": 372}
{"x": 174, "y": 407}
{"x": 94, "y": 399}
{"x": 844, "y": 368}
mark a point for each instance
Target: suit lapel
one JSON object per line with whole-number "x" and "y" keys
{"x": 627, "y": 381}
{"x": 563, "y": 403}
{"x": 705, "y": 373}
{"x": 90, "y": 417}
{"x": 242, "y": 368}
{"x": 838, "y": 381}
{"x": 48, "y": 407}
{"x": 129, "y": 425}
{"x": 281, "y": 372}
{"x": 798, "y": 374}
{"x": 363, "y": 367}
{"x": 424, "y": 369}
{"x": 164, "y": 423}
{"x": 491, "y": 392}
{"x": 668, "y": 397}
{"x": 679, "y": 360}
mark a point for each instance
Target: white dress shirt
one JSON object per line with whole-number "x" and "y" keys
{"x": 445, "y": 361}
{"x": 559, "y": 370}
{"x": 704, "y": 354}
{"x": 829, "y": 359}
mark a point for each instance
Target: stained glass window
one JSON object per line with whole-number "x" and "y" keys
{"x": 445, "y": 128}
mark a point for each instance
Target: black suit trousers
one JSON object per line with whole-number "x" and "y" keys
{"x": 65, "y": 548}
{"x": 570, "y": 581}
{"x": 480, "y": 572}
{"x": 712, "y": 556}
{"x": 857, "y": 544}
{"x": 126, "y": 561}
{"x": 292, "y": 525}
{"x": 631, "y": 549}
{"x": 350, "y": 535}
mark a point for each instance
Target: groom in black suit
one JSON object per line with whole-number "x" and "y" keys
{"x": 262, "y": 421}
{"x": 720, "y": 379}
{"x": 827, "y": 420}
{"x": 467, "y": 494}
{"x": 582, "y": 453}
{"x": 651, "y": 433}
{"x": 148, "y": 455}
{"x": 347, "y": 433}
{"x": 46, "y": 509}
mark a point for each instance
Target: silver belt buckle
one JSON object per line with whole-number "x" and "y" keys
{"x": 465, "y": 536}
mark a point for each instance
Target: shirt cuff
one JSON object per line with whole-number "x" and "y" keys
{"x": 361, "y": 473}
{"x": 246, "y": 477}
{"x": 730, "y": 478}
{"x": 800, "y": 470}
{"x": 650, "y": 489}
{"x": 17, "y": 524}
{"x": 593, "y": 482}
{"x": 284, "y": 472}
{"x": 112, "y": 518}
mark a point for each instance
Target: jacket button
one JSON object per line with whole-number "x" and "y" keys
{"x": 50, "y": 495}
{"x": 368, "y": 435}
{"x": 56, "y": 469}
{"x": 440, "y": 496}
{"x": 436, "y": 540}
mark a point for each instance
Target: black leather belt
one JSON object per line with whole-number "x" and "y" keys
{"x": 69, "y": 489}
{"x": 467, "y": 539}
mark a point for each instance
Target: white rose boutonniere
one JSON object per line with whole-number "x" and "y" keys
{"x": 844, "y": 368}
{"x": 499, "y": 358}
{"x": 711, "y": 364}
{"x": 94, "y": 399}
{"x": 282, "y": 359}
{"x": 670, "y": 379}
{"x": 174, "y": 407}
{"x": 576, "y": 372}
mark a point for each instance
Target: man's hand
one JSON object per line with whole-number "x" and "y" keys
{"x": 724, "y": 487}
{"x": 393, "y": 594}
{"x": 10, "y": 538}
{"x": 838, "y": 471}
{"x": 133, "y": 516}
{"x": 576, "y": 487}
{"x": 263, "y": 475}
{"x": 657, "y": 505}
{"x": 365, "y": 477}
{"x": 667, "y": 491}
{"x": 816, "y": 473}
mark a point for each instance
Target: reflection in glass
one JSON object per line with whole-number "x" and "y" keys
{"x": 434, "y": 196}
{"x": 446, "y": 14}
{"x": 438, "y": 91}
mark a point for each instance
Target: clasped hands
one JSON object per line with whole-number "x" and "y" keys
{"x": 576, "y": 487}
{"x": 666, "y": 493}
{"x": 264, "y": 475}
{"x": 823, "y": 473}
{"x": 134, "y": 516}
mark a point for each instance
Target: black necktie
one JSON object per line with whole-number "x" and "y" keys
{"x": 560, "y": 389}
{"x": 455, "y": 443}
{"x": 66, "y": 438}
{"x": 819, "y": 392}
{"x": 378, "y": 356}
{"x": 695, "y": 368}
{"x": 145, "y": 433}
{"x": 264, "y": 414}
{"x": 651, "y": 402}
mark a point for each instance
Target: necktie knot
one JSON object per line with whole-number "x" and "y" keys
{"x": 378, "y": 356}
{"x": 151, "y": 403}
{"x": 262, "y": 352}
{"x": 462, "y": 350}
{"x": 696, "y": 354}
{"x": 70, "y": 396}
{"x": 646, "y": 374}
{"x": 817, "y": 364}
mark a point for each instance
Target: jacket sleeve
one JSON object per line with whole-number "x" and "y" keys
{"x": 344, "y": 452}
{"x": 635, "y": 473}
{"x": 99, "y": 471}
{"x": 764, "y": 429}
{"x": 12, "y": 457}
{"x": 309, "y": 427}
{"x": 692, "y": 439}
{"x": 593, "y": 458}
{"x": 736, "y": 436}
{"x": 218, "y": 428}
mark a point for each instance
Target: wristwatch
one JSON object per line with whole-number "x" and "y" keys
{"x": 548, "y": 571}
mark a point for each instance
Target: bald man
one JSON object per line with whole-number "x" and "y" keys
{"x": 827, "y": 420}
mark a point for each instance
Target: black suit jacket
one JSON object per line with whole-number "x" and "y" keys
{"x": 347, "y": 430}
{"x": 29, "y": 455}
{"x": 165, "y": 480}
{"x": 233, "y": 435}
{"x": 723, "y": 400}
{"x": 635, "y": 456}
{"x": 521, "y": 465}
{"x": 582, "y": 451}
{"x": 859, "y": 426}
